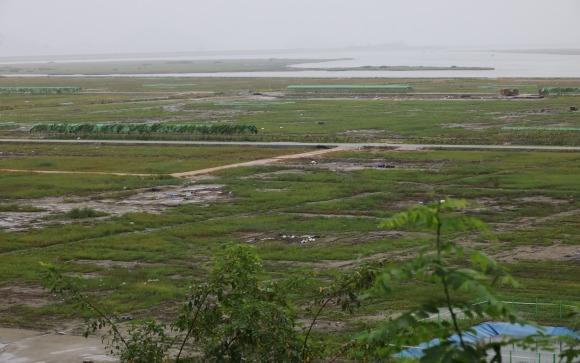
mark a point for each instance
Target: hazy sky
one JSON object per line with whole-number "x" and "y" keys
{"x": 37, "y": 27}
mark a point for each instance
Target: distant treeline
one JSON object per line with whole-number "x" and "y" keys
{"x": 223, "y": 129}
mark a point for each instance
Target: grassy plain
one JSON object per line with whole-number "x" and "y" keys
{"x": 140, "y": 262}
{"x": 136, "y": 159}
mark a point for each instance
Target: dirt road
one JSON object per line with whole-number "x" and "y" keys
{"x": 267, "y": 161}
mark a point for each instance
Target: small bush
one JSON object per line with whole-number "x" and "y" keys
{"x": 80, "y": 213}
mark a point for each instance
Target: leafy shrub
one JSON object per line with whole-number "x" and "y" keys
{"x": 160, "y": 128}
{"x": 81, "y": 213}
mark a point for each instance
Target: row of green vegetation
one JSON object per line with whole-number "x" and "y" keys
{"x": 40, "y": 90}
{"x": 163, "y": 128}
{"x": 559, "y": 90}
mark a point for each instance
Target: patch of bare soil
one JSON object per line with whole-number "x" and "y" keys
{"x": 363, "y": 133}
{"x": 266, "y": 190}
{"x": 475, "y": 126}
{"x": 326, "y": 241}
{"x": 541, "y": 111}
{"x": 152, "y": 200}
{"x": 529, "y": 222}
{"x": 503, "y": 252}
{"x": 507, "y": 254}
{"x": 556, "y": 252}
{"x": 108, "y": 264}
{"x": 27, "y": 294}
{"x": 271, "y": 175}
{"x": 574, "y": 257}
{"x": 344, "y": 165}
{"x": 353, "y": 164}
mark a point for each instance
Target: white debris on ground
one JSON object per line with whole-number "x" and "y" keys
{"x": 291, "y": 238}
{"x": 302, "y": 239}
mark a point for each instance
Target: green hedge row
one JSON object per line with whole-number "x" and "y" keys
{"x": 223, "y": 129}
{"x": 40, "y": 90}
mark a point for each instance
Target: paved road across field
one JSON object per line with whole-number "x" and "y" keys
{"x": 297, "y": 144}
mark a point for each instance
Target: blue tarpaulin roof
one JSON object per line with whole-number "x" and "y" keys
{"x": 487, "y": 330}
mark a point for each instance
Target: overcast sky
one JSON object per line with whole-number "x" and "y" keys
{"x": 39, "y": 27}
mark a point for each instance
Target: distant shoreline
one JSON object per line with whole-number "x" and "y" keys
{"x": 569, "y": 51}
{"x": 102, "y": 68}
{"x": 409, "y": 68}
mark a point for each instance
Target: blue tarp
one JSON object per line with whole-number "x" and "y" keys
{"x": 487, "y": 330}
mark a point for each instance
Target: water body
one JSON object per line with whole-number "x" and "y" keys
{"x": 505, "y": 64}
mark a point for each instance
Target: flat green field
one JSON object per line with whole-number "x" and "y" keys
{"x": 425, "y": 115}
{"x": 319, "y": 214}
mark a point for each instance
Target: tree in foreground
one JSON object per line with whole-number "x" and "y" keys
{"x": 237, "y": 314}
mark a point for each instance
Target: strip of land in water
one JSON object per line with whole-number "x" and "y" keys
{"x": 156, "y": 66}
{"x": 410, "y": 68}
{"x": 197, "y": 66}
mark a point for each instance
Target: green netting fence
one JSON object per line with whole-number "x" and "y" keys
{"x": 40, "y": 90}
{"x": 500, "y": 87}
{"x": 540, "y": 309}
{"x": 560, "y": 90}
{"x": 351, "y": 90}
{"x": 254, "y": 104}
{"x": 222, "y": 129}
